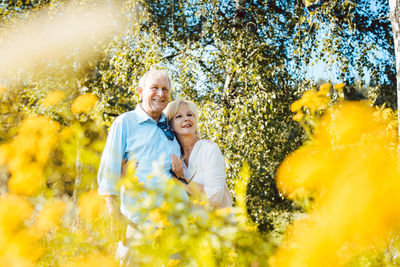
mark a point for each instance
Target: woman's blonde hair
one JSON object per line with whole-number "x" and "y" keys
{"x": 173, "y": 107}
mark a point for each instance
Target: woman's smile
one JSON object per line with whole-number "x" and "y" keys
{"x": 184, "y": 121}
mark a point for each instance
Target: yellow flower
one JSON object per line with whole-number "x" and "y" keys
{"x": 156, "y": 233}
{"x": 298, "y": 116}
{"x": 2, "y": 89}
{"x": 26, "y": 180}
{"x": 339, "y": 87}
{"x": 91, "y": 206}
{"x": 164, "y": 206}
{"x": 223, "y": 212}
{"x": 14, "y": 210}
{"x": 158, "y": 218}
{"x": 344, "y": 124}
{"x": 94, "y": 260}
{"x": 173, "y": 263}
{"x": 67, "y": 132}
{"x": 4, "y": 153}
{"x": 340, "y": 171}
{"x": 297, "y": 105}
{"x": 53, "y": 98}
{"x": 49, "y": 217}
{"x": 325, "y": 88}
{"x": 83, "y": 103}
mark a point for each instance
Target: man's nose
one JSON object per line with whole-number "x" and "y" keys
{"x": 160, "y": 92}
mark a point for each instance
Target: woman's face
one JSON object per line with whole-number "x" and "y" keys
{"x": 184, "y": 122}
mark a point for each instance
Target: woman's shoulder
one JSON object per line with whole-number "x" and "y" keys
{"x": 207, "y": 146}
{"x": 207, "y": 143}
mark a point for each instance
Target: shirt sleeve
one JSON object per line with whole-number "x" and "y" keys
{"x": 110, "y": 165}
{"x": 215, "y": 176}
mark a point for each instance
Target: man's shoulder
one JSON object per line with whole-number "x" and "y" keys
{"x": 129, "y": 116}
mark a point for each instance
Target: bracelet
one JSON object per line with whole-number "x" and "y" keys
{"x": 183, "y": 180}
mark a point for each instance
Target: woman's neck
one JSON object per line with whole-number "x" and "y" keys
{"x": 187, "y": 143}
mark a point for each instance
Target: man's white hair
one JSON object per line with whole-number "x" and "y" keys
{"x": 145, "y": 77}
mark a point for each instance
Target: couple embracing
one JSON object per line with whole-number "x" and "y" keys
{"x": 157, "y": 127}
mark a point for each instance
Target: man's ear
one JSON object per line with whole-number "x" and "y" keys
{"x": 140, "y": 91}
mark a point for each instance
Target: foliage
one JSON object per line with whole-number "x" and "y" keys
{"x": 241, "y": 61}
{"x": 237, "y": 59}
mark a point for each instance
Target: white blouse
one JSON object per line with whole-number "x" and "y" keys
{"x": 207, "y": 167}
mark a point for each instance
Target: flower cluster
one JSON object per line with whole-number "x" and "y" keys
{"x": 352, "y": 178}
{"x": 83, "y": 103}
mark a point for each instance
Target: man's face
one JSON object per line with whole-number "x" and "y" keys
{"x": 155, "y": 95}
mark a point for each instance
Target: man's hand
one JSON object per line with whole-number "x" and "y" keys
{"x": 118, "y": 221}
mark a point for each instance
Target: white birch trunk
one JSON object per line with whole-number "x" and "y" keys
{"x": 395, "y": 20}
{"x": 392, "y": 253}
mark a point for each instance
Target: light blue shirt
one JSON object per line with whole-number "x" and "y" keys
{"x": 135, "y": 135}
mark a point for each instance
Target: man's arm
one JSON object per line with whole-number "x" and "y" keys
{"x": 110, "y": 171}
{"x": 110, "y": 164}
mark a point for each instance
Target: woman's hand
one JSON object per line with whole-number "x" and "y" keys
{"x": 177, "y": 166}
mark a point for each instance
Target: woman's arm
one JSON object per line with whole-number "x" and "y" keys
{"x": 215, "y": 178}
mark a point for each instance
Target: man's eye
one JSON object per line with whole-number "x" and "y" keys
{"x": 165, "y": 89}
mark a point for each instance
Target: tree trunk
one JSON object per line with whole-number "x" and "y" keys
{"x": 237, "y": 26}
{"x": 395, "y": 20}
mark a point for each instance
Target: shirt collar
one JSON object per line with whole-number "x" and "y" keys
{"x": 143, "y": 116}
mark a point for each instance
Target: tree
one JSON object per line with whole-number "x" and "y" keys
{"x": 243, "y": 62}
{"x": 395, "y": 20}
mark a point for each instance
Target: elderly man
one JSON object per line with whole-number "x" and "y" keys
{"x": 142, "y": 135}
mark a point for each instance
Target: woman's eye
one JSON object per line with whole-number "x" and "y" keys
{"x": 177, "y": 117}
{"x": 189, "y": 115}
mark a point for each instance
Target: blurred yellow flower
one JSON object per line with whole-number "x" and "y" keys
{"x": 67, "y": 132}
{"x": 297, "y": 105}
{"x": 352, "y": 176}
{"x": 164, "y": 206}
{"x": 298, "y": 116}
{"x": 91, "y": 206}
{"x": 14, "y": 210}
{"x": 157, "y": 233}
{"x": 97, "y": 260}
{"x": 2, "y": 89}
{"x": 26, "y": 180}
{"x": 158, "y": 218}
{"x": 345, "y": 122}
{"x": 28, "y": 153}
{"x": 49, "y": 217}
{"x": 223, "y": 212}
{"x": 53, "y": 98}
{"x": 83, "y": 103}
{"x": 173, "y": 263}
{"x": 4, "y": 153}
{"x": 325, "y": 88}
{"x": 339, "y": 87}
{"x": 23, "y": 249}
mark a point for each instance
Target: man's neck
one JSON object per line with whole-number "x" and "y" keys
{"x": 154, "y": 115}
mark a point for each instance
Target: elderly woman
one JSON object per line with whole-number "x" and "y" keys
{"x": 203, "y": 167}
